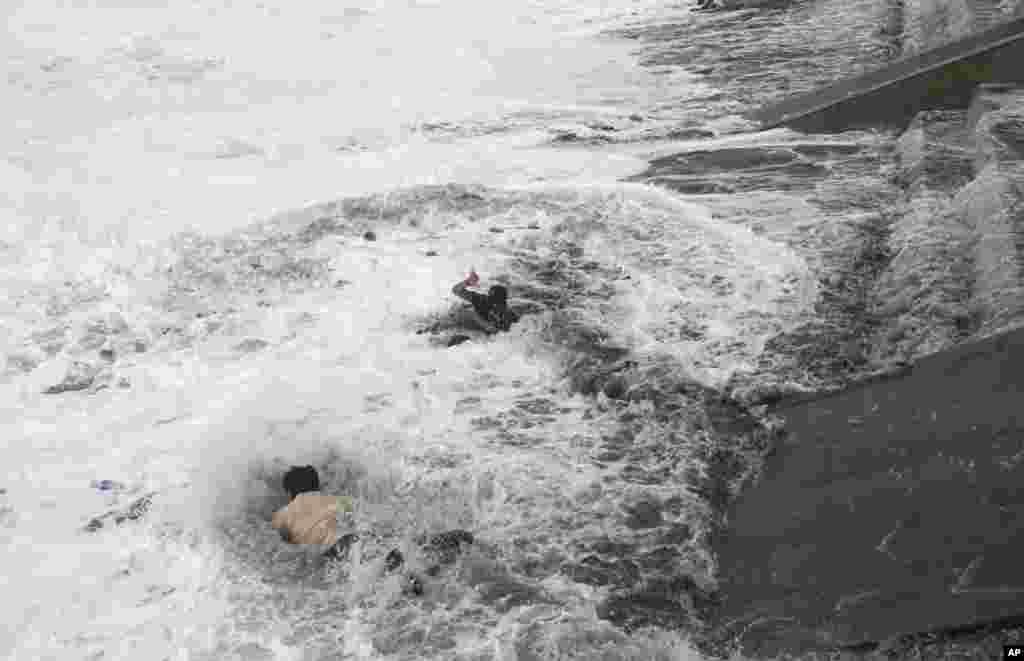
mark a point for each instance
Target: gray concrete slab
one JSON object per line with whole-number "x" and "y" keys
{"x": 892, "y": 508}
{"x": 944, "y": 77}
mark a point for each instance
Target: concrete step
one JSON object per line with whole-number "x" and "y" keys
{"x": 893, "y": 508}
{"x": 956, "y": 270}
{"x": 943, "y": 77}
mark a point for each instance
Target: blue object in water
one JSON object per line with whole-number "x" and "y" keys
{"x": 106, "y": 485}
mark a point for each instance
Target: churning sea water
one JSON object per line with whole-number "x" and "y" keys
{"x": 185, "y": 268}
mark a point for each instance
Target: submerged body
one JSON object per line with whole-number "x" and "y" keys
{"x": 492, "y": 312}
{"x": 487, "y": 313}
{"x": 311, "y": 518}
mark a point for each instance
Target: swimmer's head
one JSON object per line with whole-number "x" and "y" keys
{"x": 498, "y": 295}
{"x": 300, "y": 479}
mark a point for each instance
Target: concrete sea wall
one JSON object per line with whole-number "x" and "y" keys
{"x": 956, "y": 270}
{"x": 903, "y": 480}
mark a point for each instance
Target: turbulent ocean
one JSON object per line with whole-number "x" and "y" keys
{"x": 229, "y": 236}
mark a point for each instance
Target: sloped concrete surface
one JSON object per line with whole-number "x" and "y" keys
{"x": 889, "y": 509}
{"x": 942, "y": 77}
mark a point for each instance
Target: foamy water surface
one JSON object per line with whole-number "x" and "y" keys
{"x": 142, "y": 144}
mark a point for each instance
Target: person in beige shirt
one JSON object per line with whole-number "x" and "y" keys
{"x": 310, "y": 517}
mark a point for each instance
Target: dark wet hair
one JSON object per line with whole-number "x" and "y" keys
{"x": 300, "y": 479}
{"x": 498, "y": 294}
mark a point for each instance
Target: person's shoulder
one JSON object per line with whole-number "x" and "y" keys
{"x": 317, "y": 497}
{"x": 311, "y": 499}
{"x": 479, "y": 301}
{"x": 322, "y": 500}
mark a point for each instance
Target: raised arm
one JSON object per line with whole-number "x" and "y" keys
{"x": 460, "y": 290}
{"x": 472, "y": 280}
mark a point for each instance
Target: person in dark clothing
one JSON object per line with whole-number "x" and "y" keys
{"x": 310, "y": 518}
{"x": 491, "y": 309}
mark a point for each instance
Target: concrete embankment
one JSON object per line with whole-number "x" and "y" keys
{"x": 945, "y": 265}
{"x": 886, "y": 521}
{"x": 881, "y": 512}
{"x": 947, "y": 51}
{"x": 956, "y": 270}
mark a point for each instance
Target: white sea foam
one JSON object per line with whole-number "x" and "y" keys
{"x": 130, "y": 124}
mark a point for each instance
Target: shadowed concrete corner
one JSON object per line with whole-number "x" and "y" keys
{"x": 891, "y": 508}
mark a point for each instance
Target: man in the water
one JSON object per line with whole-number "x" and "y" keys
{"x": 491, "y": 310}
{"x": 311, "y": 518}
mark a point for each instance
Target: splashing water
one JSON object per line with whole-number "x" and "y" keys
{"x": 155, "y": 336}
{"x": 481, "y": 437}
